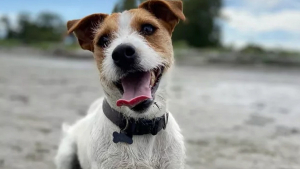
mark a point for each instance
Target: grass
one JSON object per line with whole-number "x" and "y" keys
{"x": 181, "y": 45}
{"x": 42, "y": 45}
{"x": 72, "y": 46}
{"x": 11, "y": 43}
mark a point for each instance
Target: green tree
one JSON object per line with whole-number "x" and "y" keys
{"x": 201, "y": 28}
{"x": 47, "y": 27}
{"x": 253, "y": 49}
{"x": 27, "y": 30}
{"x": 50, "y": 26}
{"x": 49, "y": 20}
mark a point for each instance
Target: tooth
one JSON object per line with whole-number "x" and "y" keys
{"x": 152, "y": 78}
{"x": 158, "y": 71}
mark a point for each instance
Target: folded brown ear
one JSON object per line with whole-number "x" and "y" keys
{"x": 169, "y": 11}
{"x": 84, "y": 29}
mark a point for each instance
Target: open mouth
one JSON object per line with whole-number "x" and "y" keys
{"x": 139, "y": 88}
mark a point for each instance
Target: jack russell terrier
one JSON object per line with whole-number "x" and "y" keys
{"x": 130, "y": 128}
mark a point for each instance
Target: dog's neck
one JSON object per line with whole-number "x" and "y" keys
{"x": 131, "y": 126}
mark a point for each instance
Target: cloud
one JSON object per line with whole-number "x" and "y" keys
{"x": 267, "y": 4}
{"x": 271, "y": 23}
{"x": 270, "y": 40}
{"x": 259, "y": 6}
{"x": 288, "y": 20}
{"x": 13, "y": 19}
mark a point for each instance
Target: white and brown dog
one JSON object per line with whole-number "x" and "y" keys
{"x": 131, "y": 127}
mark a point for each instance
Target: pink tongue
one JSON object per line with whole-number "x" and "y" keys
{"x": 136, "y": 89}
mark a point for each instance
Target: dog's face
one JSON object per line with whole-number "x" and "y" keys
{"x": 133, "y": 50}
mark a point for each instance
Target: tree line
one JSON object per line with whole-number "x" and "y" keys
{"x": 200, "y": 30}
{"x": 46, "y": 26}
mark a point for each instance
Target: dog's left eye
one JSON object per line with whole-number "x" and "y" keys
{"x": 103, "y": 41}
{"x": 148, "y": 29}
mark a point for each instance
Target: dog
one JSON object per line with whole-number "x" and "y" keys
{"x": 131, "y": 127}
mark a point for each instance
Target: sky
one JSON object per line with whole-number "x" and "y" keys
{"x": 270, "y": 23}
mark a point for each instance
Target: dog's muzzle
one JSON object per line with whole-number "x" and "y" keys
{"x": 125, "y": 57}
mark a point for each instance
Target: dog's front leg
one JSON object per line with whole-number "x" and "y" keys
{"x": 66, "y": 157}
{"x": 172, "y": 157}
{"x": 172, "y": 162}
{"x": 173, "y": 149}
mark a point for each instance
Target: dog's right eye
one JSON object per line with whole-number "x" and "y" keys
{"x": 103, "y": 41}
{"x": 148, "y": 29}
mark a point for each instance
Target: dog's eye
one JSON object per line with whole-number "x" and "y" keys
{"x": 148, "y": 29}
{"x": 103, "y": 41}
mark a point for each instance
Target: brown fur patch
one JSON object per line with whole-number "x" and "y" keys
{"x": 160, "y": 41}
{"x": 108, "y": 27}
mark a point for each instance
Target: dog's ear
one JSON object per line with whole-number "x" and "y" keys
{"x": 84, "y": 29}
{"x": 169, "y": 11}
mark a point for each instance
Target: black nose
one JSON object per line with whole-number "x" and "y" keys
{"x": 124, "y": 56}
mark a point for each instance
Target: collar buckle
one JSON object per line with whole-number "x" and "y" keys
{"x": 126, "y": 125}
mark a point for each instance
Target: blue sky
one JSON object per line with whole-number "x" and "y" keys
{"x": 67, "y": 9}
{"x": 271, "y": 23}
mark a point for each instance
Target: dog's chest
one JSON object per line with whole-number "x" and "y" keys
{"x": 143, "y": 153}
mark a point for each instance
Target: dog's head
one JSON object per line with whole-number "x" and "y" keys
{"x": 133, "y": 51}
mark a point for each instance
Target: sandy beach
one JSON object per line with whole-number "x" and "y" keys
{"x": 232, "y": 117}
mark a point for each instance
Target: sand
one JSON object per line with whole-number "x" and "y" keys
{"x": 232, "y": 117}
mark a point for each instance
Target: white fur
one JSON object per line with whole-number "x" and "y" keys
{"x": 95, "y": 149}
{"x": 149, "y": 59}
{"x": 91, "y": 137}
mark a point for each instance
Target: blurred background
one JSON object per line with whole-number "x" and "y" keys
{"x": 235, "y": 91}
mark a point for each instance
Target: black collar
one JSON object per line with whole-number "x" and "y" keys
{"x": 130, "y": 126}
